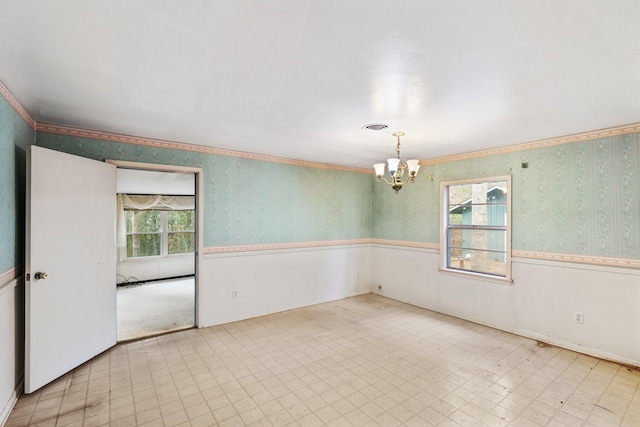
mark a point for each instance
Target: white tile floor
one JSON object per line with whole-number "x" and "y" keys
{"x": 366, "y": 360}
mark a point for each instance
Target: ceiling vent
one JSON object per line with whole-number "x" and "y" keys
{"x": 375, "y": 126}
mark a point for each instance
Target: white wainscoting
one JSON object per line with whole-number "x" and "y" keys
{"x": 271, "y": 281}
{"x": 151, "y": 268}
{"x": 11, "y": 345}
{"x": 540, "y": 304}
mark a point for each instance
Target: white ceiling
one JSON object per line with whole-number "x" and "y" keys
{"x": 136, "y": 181}
{"x": 299, "y": 78}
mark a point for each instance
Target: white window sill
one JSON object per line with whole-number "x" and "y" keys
{"x": 477, "y": 276}
{"x": 156, "y": 258}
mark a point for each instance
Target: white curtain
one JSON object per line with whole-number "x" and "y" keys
{"x": 138, "y": 202}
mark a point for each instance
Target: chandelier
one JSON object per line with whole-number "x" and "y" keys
{"x": 398, "y": 170}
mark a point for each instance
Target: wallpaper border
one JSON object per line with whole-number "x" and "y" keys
{"x": 567, "y": 139}
{"x": 580, "y": 259}
{"x": 406, "y": 244}
{"x": 158, "y": 143}
{"x": 279, "y": 246}
{"x": 8, "y": 276}
{"x": 68, "y": 130}
{"x": 546, "y": 256}
{"x": 4, "y": 90}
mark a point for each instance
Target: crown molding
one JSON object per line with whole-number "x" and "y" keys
{"x": 158, "y": 143}
{"x": 108, "y": 136}
{"x": 4, "y": 90}
{"x": 549, "y": 142}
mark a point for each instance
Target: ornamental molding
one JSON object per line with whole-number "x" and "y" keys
{"x": 580, "y": 259}
{"x": 281, "y": 246}
{"x": 4, "y": 90}
{"x": 578, "y": 137}
{"x": 158, "y": 143}
{"x": 11, "y": 274}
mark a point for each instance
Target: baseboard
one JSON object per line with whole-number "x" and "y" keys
{"x": 11, "y": 403}
{"x": 589, "y": 351}
{"x": 244, "y": 316}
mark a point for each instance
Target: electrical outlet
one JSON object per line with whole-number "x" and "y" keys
{"x": 234, "y": 294}
{"x": 578, "y": 317}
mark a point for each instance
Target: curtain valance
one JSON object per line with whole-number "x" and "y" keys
{"x": 157, "y": 202}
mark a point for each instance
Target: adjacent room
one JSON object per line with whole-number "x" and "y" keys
{"x": 319, "y": 213}
{"x": 156, "y": 229}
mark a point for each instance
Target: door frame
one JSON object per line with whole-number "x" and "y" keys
{"x": 199, "y": 178}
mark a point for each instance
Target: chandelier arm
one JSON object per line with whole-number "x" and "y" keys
{"x": 401, "y": 171}
{"x": 382, "y": 178}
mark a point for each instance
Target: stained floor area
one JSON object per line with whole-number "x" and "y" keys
{"x": 156, "y": 307}
{"x": 362, "y": 361}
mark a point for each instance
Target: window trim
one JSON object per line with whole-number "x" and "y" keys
{"x": 444, "y": 225}
{"x": 164, "y": 239}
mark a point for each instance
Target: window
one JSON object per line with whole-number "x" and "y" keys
{"x": 476, "y": 234}
{"x": 160, "y": 233}
{"x": 180, "y": 232}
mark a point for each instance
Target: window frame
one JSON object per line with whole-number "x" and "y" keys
{"x": 445, "y": 228}
{"x": 166, "y": 232}
{"x": 164, "y": 237}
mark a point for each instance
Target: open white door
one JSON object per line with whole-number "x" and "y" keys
{"x": 70, "y": 314}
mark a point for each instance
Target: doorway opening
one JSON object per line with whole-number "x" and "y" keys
{"x": 154, "y": 308}
{"x": 158, "y": 240}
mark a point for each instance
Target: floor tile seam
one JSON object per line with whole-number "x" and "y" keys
{"x": 577, "y": 387}
{"x": 525, "y": 379}
{"x": 630, "y": 401}
{"x": 36, "y": 406}
{"x": 85, "y": 398}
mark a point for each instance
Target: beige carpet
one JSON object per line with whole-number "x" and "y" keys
{"x": 155, "y": 308}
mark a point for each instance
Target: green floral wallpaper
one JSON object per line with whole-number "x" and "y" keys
{"x": 577, "y": 198}
{"x": 15, "y": 136}
{"x": 250, "y": 201}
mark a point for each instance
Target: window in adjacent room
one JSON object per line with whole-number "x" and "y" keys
{"x": 181, "y": 232}
{"x": 160, "y": 233}
{"x": 476, "y": 227}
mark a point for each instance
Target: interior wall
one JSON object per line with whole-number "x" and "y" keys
{"x": 264, "y": 282}
{"x": 540, "y": 304}
{"x": 253, "y": 202}
{"x": 575, "y": 198}
{"x": 283, "y": 209}
{"x": 579, "y": 201}
{"x": 16, "y": 135}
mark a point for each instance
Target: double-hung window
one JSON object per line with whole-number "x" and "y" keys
{"x": 476, "y": 228}
{"x": 160, "y": 233}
